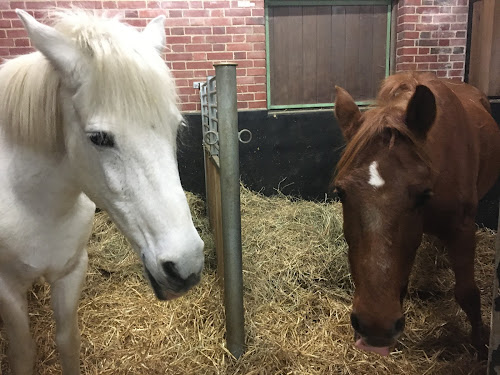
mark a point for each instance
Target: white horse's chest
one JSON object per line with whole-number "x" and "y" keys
{"x": 44, "y": 224}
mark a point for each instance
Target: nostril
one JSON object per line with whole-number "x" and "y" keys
{"x": 400, "y": 325}
{"x": 355, "y": 322}
{"x": 171, "y": 271}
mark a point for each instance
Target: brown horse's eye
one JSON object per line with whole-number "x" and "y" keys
{"x": 340, "y": 193}
{"x": 423, "y": 197}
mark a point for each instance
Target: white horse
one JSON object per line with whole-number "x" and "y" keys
{"x": 93, "y": 114}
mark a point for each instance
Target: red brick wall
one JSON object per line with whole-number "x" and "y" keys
{"x": 431, "y": 36}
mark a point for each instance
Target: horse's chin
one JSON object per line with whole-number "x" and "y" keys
{"x": 384, "y": 349}
{"x": 160, "y": 291}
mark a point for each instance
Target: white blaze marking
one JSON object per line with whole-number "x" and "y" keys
{"x": 375, "y": 179}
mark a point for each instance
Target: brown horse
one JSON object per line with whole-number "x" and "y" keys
{"x": 417, "y": 162}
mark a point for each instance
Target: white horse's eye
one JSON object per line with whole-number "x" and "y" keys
{"x": 101, "y": 139}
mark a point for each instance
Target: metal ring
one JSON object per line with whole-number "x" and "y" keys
{"x": 245, "y": 131}
{"x": 208, "y": 136}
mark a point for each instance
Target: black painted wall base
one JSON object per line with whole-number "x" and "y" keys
{"x": 294, "y": 152}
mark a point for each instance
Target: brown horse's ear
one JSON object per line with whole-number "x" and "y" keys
{"x": 346, "y": 112}
{"x": 421, "y": 111}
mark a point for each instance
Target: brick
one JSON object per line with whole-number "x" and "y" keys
{"x": 16, "y": 51}
{"x": 217, "y": 4}
{"x": 198, "y": 30}
{"x": 195, "y": 13}
{"x": 13, "y": 33}
{"x": 220, "y": 56}
{"x": 441, "y": 66}
{"x": 458, "y": 65}
{"x": 256, "y": 71}
{"x": 411, "y": 2}
{"x": 43, "y": 4}
{"x": 259, "y": 63}
{"x": 444, "y": 18}
{"x": 178, "y": 39}
{"x": 17, "y": 4}
{"x": 405, "y": 59}
{"x": 439, "y": 50}
{"x": 408, "y": 18}
{"x": 238, "y": 47}
{"x": 443, "y": 34}
{"x": 457, "y": 58}
{"x": 238, "y": 12}
{"x": 216, "y": 12}
{"x": 88, "y": 4}
{"x": 178, "y": 48}
{"x": 256, "y": 38}
{"x": 219, "y": 38}
{"x": 256, "y": 55}
{"x": 6, "y": 43}
{"x": 5, "y": 24}
{"x": 131, "y": 4}
{"x": 455, "y": 73}
{"x": 178, "y": 4}
{"x": 426, "y": 58}
{"x": 240, "y": 55}
{"x": 458, "y": 50}
{"x": 198, "y": 47}
{"x": 218, "y": 47}
{"x": 21, "y": 42}
{"x": 153, "y": 4}
{"x": 443, "y": 58}
{"x": 427, "y": 10}
{"x": 257, "y": 104}
{"x": 219, "y": 30}
{"x": 199, "y": 39}
{"x": 199, "y": 65}
{"x": 427, "y": 42}
{"x": 411, "y": 35}
{"x": 179, "y": 56}
{"x": 423, "y": 51}
{"x": 458, "y": 42}
{"x": 461, "y": 34}
{"x": 426, "y": 27}
{"x": 406, "y": 27}
{"x": 255, "y": 21}
{"x": 444, "y": 42}
{"x": 239, "y": 30}
{"x": 423, "y": 67}
{"x": 460, "y": 10}
{"x": 407, "y": 51}
{"x": 258, "y": 12}
{"x": 405, "y": 43}
{"x": 406, "y": 10}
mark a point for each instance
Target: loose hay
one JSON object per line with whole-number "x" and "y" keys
{"x": 297, "y": 299}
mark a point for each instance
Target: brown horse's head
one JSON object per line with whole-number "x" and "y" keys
{"x": 384, "y": 181}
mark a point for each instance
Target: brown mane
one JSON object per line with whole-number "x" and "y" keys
{"x": 388, "y": 113}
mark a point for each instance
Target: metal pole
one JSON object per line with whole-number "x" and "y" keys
{"x": 227, "y": 112}
{"x": 494, "y": 347}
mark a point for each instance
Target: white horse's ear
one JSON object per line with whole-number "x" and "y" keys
{"x": 155, "y": 33}
{"x": 56, "y": 47}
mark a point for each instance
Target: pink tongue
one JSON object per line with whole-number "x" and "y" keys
{"x": 384, "y": 351}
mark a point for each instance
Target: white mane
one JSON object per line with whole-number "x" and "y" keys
{"x": 128, "y": 82}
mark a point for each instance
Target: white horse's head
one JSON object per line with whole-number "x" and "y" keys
{"x": 120, "y": 120}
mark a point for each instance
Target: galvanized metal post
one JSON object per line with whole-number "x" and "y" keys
{"x": 494, "y": 347}
{"x": 230, "y": 194}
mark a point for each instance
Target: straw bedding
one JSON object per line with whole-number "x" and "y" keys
{"x": 297, "y": 299}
